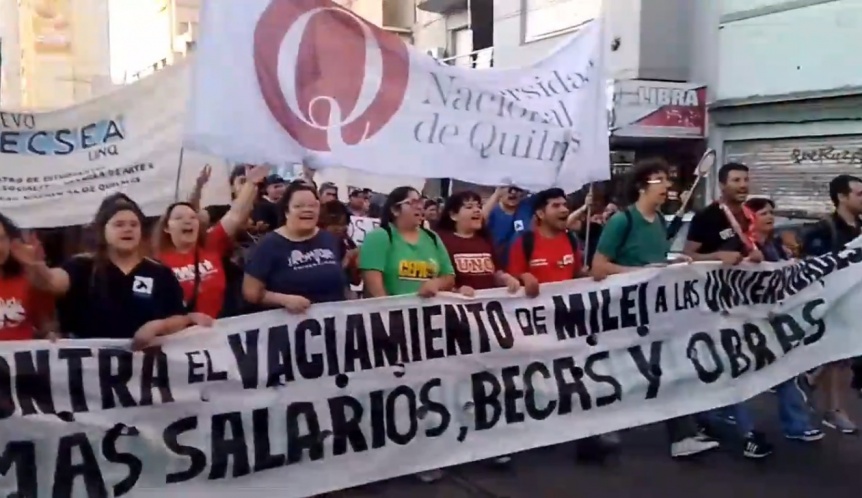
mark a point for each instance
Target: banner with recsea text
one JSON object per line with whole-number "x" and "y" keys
{"x": 56, "y": 167}
{"x": 310, "y": 81}
{"x": 365, "y": 390}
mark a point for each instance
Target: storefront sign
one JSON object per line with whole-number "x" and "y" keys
{"x": 658, "y": 109}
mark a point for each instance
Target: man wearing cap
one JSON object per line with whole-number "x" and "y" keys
{"x": 357, "y": 201}
{"x": 266, "y": 209}
{"x": 508, "y": 213}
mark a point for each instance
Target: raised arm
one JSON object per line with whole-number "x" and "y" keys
{"x": 240, "y": 210}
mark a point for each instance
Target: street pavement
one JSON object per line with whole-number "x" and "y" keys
{"x": 830, "y": 468}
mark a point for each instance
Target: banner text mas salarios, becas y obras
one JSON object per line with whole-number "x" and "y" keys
{"x": 366, "y": 390}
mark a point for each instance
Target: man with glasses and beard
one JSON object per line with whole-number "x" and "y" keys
{"x": 507, "y": 213}
{"x": 635, "y": 238}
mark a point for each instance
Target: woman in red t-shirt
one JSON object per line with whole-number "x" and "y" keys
{"x": 25, "y": 312}
{"x": 473, "y": 256}
{"x": 196, "y": 256}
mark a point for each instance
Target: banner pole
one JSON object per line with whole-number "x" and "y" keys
{"x": 179, "y": 175}
{"x": 587, "y": 221}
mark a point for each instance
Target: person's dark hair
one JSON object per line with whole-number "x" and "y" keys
{"x": 113, "y": 199}
{"x": 840, "y": 185}
{"x": 641, "y": 173}
{"x": 756, "y": 204}
{"x": 725, "y": 170}
{"x": 431, "y": 202}
{"x": 397, "y": 196}
{"x": 162, "y": 240}
{"x": 292, "y": 189}
{"x": 542, "y": 198}
{"x": 332, "y": 211}
{"x": 451, "y": 207}
{"x": 11, "y": 267}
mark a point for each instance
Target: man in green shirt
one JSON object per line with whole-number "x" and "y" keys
{"x": 637, "y": 237}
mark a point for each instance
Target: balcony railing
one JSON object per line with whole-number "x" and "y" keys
{"x": 477, "y": 59}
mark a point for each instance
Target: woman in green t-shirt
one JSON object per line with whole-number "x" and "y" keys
{"x": 403, "y": 257}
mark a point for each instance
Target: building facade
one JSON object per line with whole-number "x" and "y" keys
{"x": 54, "y": 52}
{"x": 787, "y": 103}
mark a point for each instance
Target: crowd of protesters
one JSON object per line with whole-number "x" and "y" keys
{"x": 286, "y": 245}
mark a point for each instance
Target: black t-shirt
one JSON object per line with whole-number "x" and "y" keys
{"x": 711, "y": 229}
{"x": 110, "y": 304}
{"x": 266, "y": 212}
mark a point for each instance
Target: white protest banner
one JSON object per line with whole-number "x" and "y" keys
{"x": 309, "y": 81}
{"x": 360, "y": 391}
{"x": 58, "y": 166}
{"x": 359, "y": 228}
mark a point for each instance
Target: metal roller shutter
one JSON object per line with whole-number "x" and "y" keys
{"x": 795, "y": 172}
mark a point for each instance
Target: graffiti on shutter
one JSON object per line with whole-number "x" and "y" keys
{"x": 795, "y": 172}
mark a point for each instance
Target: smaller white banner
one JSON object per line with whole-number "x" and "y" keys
{"x": 58, "y": 166}
{"x": 359, "y": 228}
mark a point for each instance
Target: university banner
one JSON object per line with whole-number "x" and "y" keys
{"x": 360, "y": 391}
{"x": 310, "y": 81}
{"x": 56, "y": 167}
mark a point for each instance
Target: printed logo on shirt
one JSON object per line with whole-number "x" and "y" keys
{"x": 477, "y": 263}
{"x": 13, "y": 312}
{"x": 187, "y": 273}
{"x": 143, "y": 286}
{"x": 299, "y": 260}
{"x": 727, "y": 233}
{"x": 417, "y": 270}
{"x": 538, "y": 262}
{"x": 519, "y": 225}
{"x": 568, "y": 260}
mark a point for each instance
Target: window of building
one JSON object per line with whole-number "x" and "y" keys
{"x": 547, "y": 18}
{"x": 462, "y": 46}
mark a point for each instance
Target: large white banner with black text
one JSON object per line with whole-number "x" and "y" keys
{"x": 310, "y": 81}
{"x": 365, "y": 390}
{"x": 56, "y": 167}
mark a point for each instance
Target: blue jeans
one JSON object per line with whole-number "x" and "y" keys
{"x": 792, "y": 410}
{"x": 744, "y": 421}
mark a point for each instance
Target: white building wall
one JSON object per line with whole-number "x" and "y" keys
{"x": 10, "y": 71}
{"x": 813, "y": 47}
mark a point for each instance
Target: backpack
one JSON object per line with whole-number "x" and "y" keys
{"x": 627, "y": 231}
{"x": 528, "y": 240}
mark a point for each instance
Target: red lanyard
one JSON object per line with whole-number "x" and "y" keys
{"x": 747, "y": 238}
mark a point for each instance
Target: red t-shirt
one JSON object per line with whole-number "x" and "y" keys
{"x": 212, "y": 277}
{"x": 553, "y": 259}
{"x": 473, "y": 258}
{"x": 23, "y": 308}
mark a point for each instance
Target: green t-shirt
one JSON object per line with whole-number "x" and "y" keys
{"x": 646, "y": 243}
{"x": 404, "y": 266}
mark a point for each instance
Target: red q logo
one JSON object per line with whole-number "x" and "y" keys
{"x": 345, "y": 78}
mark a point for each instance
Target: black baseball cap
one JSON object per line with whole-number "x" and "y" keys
{"x": 273, "y": 180}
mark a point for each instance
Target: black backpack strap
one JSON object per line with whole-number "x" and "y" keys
{"x": 193, "y": 302}
{"x": 627, "y": 230}
{"x": 430, "y": 234}
{"x": 833, "y": 233}
{"x": 576, "y": 246}
{"x": 528, "y": 243}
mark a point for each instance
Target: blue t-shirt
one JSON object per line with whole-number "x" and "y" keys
{"x": 310, "y": 268}
{"x": 504, "y": 228}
